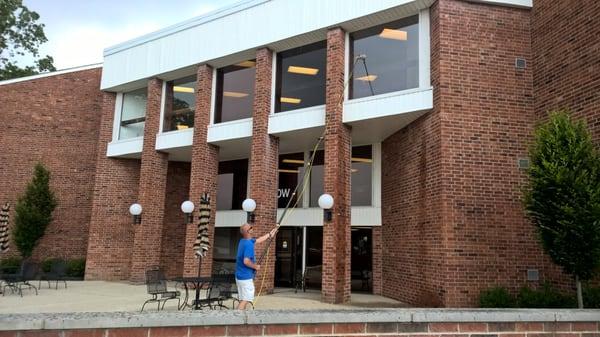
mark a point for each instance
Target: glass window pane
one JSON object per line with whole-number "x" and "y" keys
{"x": 225, "y": 248}
{"x": 180, "y": 104}
{"x": 392, "y": 58}
{"x": 133, "y": 114}
{"x": 291, "y": 172}
{"x": 235, "y": 91}
{"x": 316, "y": 178}
{"x": 301, "y": 77}
{"x": 232, "y": 184}
{"x": 361, "y": 178}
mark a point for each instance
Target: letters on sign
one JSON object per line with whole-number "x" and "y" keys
{"x": 283, "y": 192}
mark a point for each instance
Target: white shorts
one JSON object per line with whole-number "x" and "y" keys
{"x": 245, "y": 290}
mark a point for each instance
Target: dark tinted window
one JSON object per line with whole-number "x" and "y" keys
{"x": 232, "y": 184}
{"x": 301, "y": 77}
{"x": 316, "y": 178}
{"x": 361, "y": 178}
{"x": 392, "y": 58}
{"x": 291, "y": 172}
{"x": 180, "y": 102}
{"x": 235, "y": 91}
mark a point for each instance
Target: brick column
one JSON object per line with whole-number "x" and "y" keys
{"x": 203, "y": 176}
{"x": 336, "y": 233}
{"x": 115, "y": 189}
{"x": 263, "y": 167}
{"x": 376, "y": 251}
{"x": 152, "y": 189}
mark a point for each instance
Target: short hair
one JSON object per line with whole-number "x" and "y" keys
{"x": 242, "y": 227}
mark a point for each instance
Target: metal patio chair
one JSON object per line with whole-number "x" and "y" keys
{"x": 156, "y": 285}
{"x": 58, "y": 273}
{"x": 16, "y": 282}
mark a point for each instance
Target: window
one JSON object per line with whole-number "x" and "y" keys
{"x": 392, "y": 58}
{"x": 180, "y": 102}
{"x": 232, "y": 184}
{"x": 301, "y": 77}
{"x": 291, "y": 172}
{"x": 361, "y": 177}
{"x": 225, "y": 248}
{"x": 235, "y": 91}
{"x": 360, "y": 181}
{"x": 133, "y": 114}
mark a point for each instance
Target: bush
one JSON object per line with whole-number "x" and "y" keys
{"x": 546, "y": 297}
{"x": 497, "y": 297}
{"x": 11, "y": 265}
{"x": 76, "y": 268}
{"x": 591, "y": 297}
{"x": 46, "y": 265}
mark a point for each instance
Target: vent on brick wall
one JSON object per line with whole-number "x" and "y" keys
{"x": 533, "y": 275}
{"x": 523, "y": 163}
{"x": 520, "y": 63}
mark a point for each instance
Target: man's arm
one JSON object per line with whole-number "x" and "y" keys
{"x": 268, "y": 235}
{"x": 248, "y": 263}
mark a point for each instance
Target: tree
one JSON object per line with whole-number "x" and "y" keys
{"x": 563, "y": 196}
{"x": 20, "y": 34}
{"x": 33, "y": 211}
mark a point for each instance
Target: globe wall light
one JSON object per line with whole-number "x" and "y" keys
{"x": 136, "y": 210}
{"x": 249, "y": 205}
{"x": 326, "y": 203}
{"x": 187, "y": 207}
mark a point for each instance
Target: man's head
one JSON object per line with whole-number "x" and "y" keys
{"x": 246, "y": 231}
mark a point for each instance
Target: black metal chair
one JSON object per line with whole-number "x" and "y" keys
{"x": 16, "y": 282}
{"x": 221, "y": 290}
{"x": 58, "y": 273}
{"x": 156, "y": 285}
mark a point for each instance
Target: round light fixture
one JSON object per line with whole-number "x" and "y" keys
{"x": 325, "y": 201}
{"x": 249, "y": 205}
{"x": 135, "y": 209}
{"x": 187, "y": 207}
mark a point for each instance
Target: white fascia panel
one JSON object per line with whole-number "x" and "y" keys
{"x": 174, "y": 139}
{"x": 232, "y": 218}
{"x": 260, "y": 24}
{"x": 394, "y": 103}
{"x": 125, "y": 147}
{"x": 297, "y": 119}
{"x": 365, "y": 216}
{"x": 509, "y": 3}
{"x": 230, "y": 130}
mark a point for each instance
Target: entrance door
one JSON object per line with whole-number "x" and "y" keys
{"x": 288, "y": 256}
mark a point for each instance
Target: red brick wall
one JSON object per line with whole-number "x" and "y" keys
{"x": 438, "y": 329}
{"x": 377, "y": 263}
{"x": 566, "y": 59}
{"x": 53, "y": 120}
{"x": 335, "y": 281}
{"x": 203, "y": 176}
{"x": 411, "y": 186}
{"x": 111, "y": 227}
{"x": 262, "y": 169}
{"x": 174, "y": 228}
{"x": 151, "y": 194}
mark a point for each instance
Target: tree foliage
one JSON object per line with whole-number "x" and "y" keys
{"x": 563, "y": 198}
{"x": 20, "y": 34}
{"x": 33, "y": 211}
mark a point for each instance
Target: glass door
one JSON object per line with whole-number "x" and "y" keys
{"x": 288, "y": 256}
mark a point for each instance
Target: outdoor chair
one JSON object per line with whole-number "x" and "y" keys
{"x": 58, "y": 273}
{"x": 156, "y": 285}
{"x": 221, "y": 290}
{"x": 310, "y": 273}
{"x": 16, "y": 282}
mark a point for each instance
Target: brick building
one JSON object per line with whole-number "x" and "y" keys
{"x": 426, "y": 109}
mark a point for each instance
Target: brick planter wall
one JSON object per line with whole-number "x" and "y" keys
{"x": 409, "y": 323}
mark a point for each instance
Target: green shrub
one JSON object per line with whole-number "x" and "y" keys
{"x": 591, "y": 297}
{"x": 76, "y": 268}
{"x": 546, "y": 297}
{"x": 46, "y": 265}
{"x": 11, "y": 265}
{"x": 497, "y": 297}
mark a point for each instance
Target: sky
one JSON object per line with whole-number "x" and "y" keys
{"x": 79, "y": 30}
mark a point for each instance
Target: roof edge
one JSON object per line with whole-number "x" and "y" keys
{"x": 52, "y": 73}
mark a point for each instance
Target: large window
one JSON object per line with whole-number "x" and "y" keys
{"x": 301, "y": 77}
{"x": 225, "y": 248}
{"x": 133, "y": 114}
{"x": 360, "y": 181}
{"x": 392, "y": 58}
{"x": 291, "y": 171}
{"x": 235, "y": 91}
{"x": 232, "y": 184}
{"x": 179, "y": 104}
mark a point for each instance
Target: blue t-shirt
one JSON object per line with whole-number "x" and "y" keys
{"x": 245, "y": 250}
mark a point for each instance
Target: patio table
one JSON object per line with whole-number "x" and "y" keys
{"x": 196, "y": 282}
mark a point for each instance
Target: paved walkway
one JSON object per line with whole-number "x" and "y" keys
{"x": 101, "y": 296}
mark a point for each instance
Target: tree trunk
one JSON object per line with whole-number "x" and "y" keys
{"x": 579, "y": 295}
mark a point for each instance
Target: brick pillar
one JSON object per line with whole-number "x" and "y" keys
{"x": 115, "y": 188}
{"x": 336, "y": 233}
{"x": 203, "y": 176}
{"x": 376, "y": 241}
{"x": 263, "y": 168}
{"x": 153, "y": 183}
